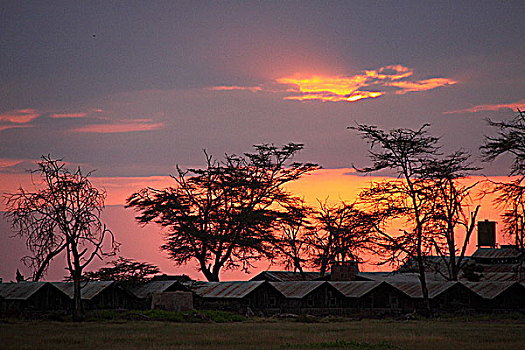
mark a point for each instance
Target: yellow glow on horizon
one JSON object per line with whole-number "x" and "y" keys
{"x": 331, "y": 185}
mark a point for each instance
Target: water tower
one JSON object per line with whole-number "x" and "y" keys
{"x": 487, "y": 234}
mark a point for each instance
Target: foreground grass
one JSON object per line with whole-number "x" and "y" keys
{"x": 264, "y": 334}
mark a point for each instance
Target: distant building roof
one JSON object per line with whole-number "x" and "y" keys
{"x": 224, "y": 289}
{"x": 400, "y": 276}
{"x": 285, "y": 276}
{"x": 489, "y": 290}
{"x": 296, "y": 289}
{"x": 88, "y": 290}
{"x": 355, "y": 289}
{"x": 502, "y": 276}
{"x": 20, "y": 290}
{"x": 506, "y": 252}
{"x": 147, "y": 289}
{"x": 413, "y": 289}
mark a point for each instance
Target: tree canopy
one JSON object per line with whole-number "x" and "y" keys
{"x": 226, "y": 214}
{"x": 124, "y": 270}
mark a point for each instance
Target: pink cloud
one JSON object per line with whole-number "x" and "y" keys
{"x": 19, "y": 116}
{"x": 68, "y": 115}
{"x": 422, "y": 85}
{"x": 234, "y": 87}
{"x": 5, "y": 127}
{"x": 121, "y": 127}
{"x": 7, "y": 163}
{"x": 491, "y": 107}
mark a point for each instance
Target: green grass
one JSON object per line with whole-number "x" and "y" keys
{"x": 119, "y": 333}
{"x": 162, "y": 315}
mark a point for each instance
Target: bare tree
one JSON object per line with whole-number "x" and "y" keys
{"x": 63, "y": 215}
{"x": 225, "y": 215}
{"x": 511, "y": 195}
{"x": 291, "y": 242}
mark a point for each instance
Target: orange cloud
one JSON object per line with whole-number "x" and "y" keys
{"x": 328, "y": 88}
{"x": 494, "y": 107}
{"x": 20, "y": 116}
{"x": 422, "y": 85}
{"x": 68, "y": 115}
{"x": 394, "y": 72}
{"x": 234, "y": 87}
{"x": 365, "y": 85}
{"x": 355, "y": 96}
{"x": 121, "y": 127}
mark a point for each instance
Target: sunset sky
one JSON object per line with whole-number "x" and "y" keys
{"x": 130, "y": 89}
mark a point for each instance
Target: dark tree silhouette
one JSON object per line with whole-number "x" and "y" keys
{"x": 290, "y": 242}
{"x": 124, "y": 270}
{"x": 63, "y": 215}
{"x": 405, "y": 152}
{"x": 427, "y": 197}
{"x": 226, "y": 214}
{"x": 340, "y": 233}
{"x": 451, "y": 210}
{"x": 511, "y": 195}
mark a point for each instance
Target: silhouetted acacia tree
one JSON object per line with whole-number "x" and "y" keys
{"x": 226, "y": 214}
{"x": 511, "y": 194}
{"x": 123, "y": 270}
{"x": 63, "y": 215}
{"x": 405, "y": 152}
{"x": 427, "y": 196}
{"x": 340, "y": 232}
{"x": 451, "y": 211}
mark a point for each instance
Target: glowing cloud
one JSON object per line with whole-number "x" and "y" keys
{"x": 123, "y": 126}
{"x": 68, "y": 115}
{"x": 494, "y": 107}
{"x": 364, "y": 85}
{"x": 422, "y": 85}
{"x": 20, "y": 116}
{"x": 394, "y": 72}
{"x": 326, "y": 88}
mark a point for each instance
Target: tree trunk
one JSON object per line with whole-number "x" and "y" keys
{"x": 212, "y": 275}
{"x": 77, "y": 298}
{"x": 422, "y": 279}
{"x": 322, "y": 270}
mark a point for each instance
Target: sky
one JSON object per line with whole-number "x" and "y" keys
{"x": 131, "y": 89}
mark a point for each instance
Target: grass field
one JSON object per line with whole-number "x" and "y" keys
{"x": 264, "y": 334}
